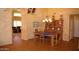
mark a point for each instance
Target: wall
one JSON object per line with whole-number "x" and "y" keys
{"x": 66, "y": 12}
{"x": 71, "y": 30}
{"x": 27, "y": 20}
{"x": 76, "y": 26}
{"x": 5, "y": 27}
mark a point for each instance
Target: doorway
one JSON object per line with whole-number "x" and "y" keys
{"x": 16, "y": 25}
{"x": 74, "y": 26}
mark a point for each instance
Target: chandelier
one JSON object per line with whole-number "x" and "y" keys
{"x": 47, "y": 19}
{"x": 51, "y": 19}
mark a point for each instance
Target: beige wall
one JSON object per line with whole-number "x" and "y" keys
{"x": 66, "y": 14}
{"x": 5, "y": 27}
{"x": 27, "y": 22}
{"x": 40, "y": 14}
{"x": 71, "y": 30}
{"x": 76, "y": 26}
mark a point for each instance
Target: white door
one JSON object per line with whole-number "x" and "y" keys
{"x": 76, "y": 26}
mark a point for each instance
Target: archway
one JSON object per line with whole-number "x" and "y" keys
{"x": 16, "y": 25}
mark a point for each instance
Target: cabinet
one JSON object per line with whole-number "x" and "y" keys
{"x": 55, "y": 27}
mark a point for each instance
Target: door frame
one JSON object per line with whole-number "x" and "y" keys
{"x": 72, "y": 15}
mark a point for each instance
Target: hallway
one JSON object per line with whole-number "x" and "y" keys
{"x": 37, "y": 45}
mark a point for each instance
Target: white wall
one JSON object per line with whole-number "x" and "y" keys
{"x": 5, "y": 27}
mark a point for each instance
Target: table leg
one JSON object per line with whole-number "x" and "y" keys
{"x": 52, "y": 41}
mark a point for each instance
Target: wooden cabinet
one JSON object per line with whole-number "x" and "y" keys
{"x": 56, "y": 27}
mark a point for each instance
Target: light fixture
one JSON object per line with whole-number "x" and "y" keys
{"x": 17, "y": 14}
{"x": 43, "y": 20}
{"x": 47, "y": 19}
{"x": 50, "y": 20}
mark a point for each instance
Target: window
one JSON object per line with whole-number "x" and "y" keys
{"x": 17, "y": 14}
{"x": 17, "y": 23}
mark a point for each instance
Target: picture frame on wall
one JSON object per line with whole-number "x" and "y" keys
{"x": 31, "y": 10}
{"x": 35, "y": 24}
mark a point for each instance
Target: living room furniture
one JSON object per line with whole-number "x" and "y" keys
{"x": 56, "y": 28}
{"x": 53, "y": 29}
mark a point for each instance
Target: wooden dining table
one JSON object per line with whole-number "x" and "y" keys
{"x": 42, "y": 36}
